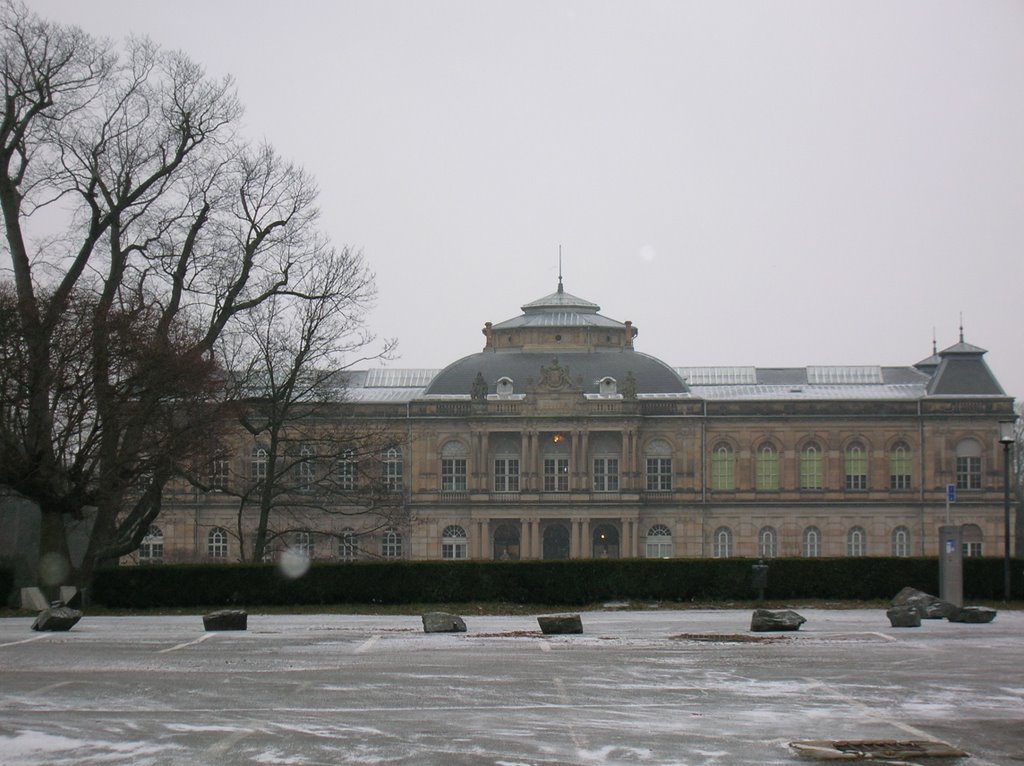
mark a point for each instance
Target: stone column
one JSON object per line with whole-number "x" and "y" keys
{"x": 586, "y": 548}
{"x": 574, "y": 538}
{"x": 524, "y": 539}
{"x": 535, "y": 540}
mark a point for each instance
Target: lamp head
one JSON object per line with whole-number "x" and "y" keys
{"x": 1007, "y": 432}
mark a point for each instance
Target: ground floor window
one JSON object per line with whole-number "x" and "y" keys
{"x": 856, "y": 542}
{"x": 659, "y": 542}
{"x": 348, "y": 545}
{"x": 151, "y": 551}
{"x": 901, "y": 541}
{"x": 767, "y": 543}
{"x": 217, "y": 543}
{"x": 971, "y": 540}
{"x": 723, "y": 543}
{"x": 391, "y": 544}
{"x": 454, "y": 542}
{"x": 812, "y": 542}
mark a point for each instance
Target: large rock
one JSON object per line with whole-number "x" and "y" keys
{"x": 904, "y": 616}
{"x": 226, "y": 619}
{"x": 442, "y": 622}
{"x": 973, "y": 614}
{"x": 57, "y": 618}
{"x": 928, "y": 606}
{"x": 560, "y": 623}
{"x": 771, "y": 619}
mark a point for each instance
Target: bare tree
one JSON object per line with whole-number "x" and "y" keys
{"x": 311, "y": 458}
{"x": 169, "y": 230}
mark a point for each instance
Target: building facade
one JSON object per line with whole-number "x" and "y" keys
{"x": 561, "y": 440}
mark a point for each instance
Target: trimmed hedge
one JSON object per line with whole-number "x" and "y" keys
{"x": 572, "y": 583}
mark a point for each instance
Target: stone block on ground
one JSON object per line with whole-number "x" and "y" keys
{"x": 33, "y": 598}
{"x": 764, "y": 620}
{"x": 226, "y": 619}
{"x": 928, "y": 606}
{"x": 556, "y": 624}
{"x": 57, "y": 618}
{"x": 973, "y": 614}
{"x": 442, "y": 622}
{"x": 905, "y": 616}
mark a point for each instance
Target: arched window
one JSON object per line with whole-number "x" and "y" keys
{"x": 971, "y": 540}
{"x": 391, "y": 470}
{"x": 220, "y": 470}
{"x": 856, "y": 542}
{"x": 659, "y": 466}
{"x": 453, "y": 467}
{"x": 968, "y": 464}
{"x": 659, "y": 542}
{"x": 391, "y": 544}
{"x": 900, "y": 460}
{"x": 217, "y": 543}
{"x": 347, "y": 470}
{"x": 901, "y": 541}
{"x": 306, "y": 468}
{"x": 767, "y": 473}
{"x": 812, "y": 466}
{"x": 723, "y": 467}
{"x": 856, "y": 460}
{"x": 258, "y": 463}
{"x": 723, "y": 543}
{"x": 453, "y": 542}
{"x": 767, "y": 543}
{"x": 303, "y": 544}
{"x": 151, "y": 551}
{"x": 348, "y": 545}
{"x": 812, "y": 542}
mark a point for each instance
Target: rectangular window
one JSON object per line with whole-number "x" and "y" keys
{"x": 811, "y": 470}
{"x": 453, "y": 475}
{"x": 899, "y": 468}
{"x": 856, "y": 468}
{"x": 506, "y": 474}
{"x": 606, "y": 474}
{"x": 968, "y": 473}
{"x": 659, "y": 474}
{"x": 972, "y": 550}
{"x": 454, "y": 550}
{"x": 556, "y": 474}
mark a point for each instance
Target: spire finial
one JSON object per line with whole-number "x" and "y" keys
{"x": 935, "y": 342}
{"x": 560, "y": 268}
{"x": 961, "y": 327}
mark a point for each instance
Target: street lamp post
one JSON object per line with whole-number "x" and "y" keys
{"x": 1006, "y": 438}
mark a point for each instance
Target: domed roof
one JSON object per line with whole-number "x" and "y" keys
{"x": 584, "y": 370}
{"x": 560, "y": 309}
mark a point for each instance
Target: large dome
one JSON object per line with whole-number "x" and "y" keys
{"x": 585, "y": 369}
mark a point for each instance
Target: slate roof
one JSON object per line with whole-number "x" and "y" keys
{"x": 585, "y": 368}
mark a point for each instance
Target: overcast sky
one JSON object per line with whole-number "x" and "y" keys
{"x": 751, "y": 183}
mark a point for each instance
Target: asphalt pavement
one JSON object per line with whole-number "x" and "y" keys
{"x": 637, "y": 687}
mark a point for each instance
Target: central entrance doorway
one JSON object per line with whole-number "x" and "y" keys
{"x": 605, "y": 542}
{"x": 556, "y": 541}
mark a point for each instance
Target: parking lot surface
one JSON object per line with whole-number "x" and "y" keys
{"x": 637, "y": 687}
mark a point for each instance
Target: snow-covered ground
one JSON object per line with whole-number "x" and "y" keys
{"x": 636, "y": 688}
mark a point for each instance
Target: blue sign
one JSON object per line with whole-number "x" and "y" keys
{"x": 951, "y": 493}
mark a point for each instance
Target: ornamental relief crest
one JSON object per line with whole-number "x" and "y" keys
{"x": 557, "y": 378}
